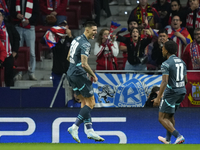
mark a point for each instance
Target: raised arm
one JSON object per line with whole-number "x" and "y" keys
{"x": 98, "y": 50}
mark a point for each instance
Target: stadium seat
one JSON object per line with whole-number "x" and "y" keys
{"x": 23, "y": 57}
{"x": 73, "y": 14}
{"x": 87, "y": 7}
{"x": 39, "y": 33}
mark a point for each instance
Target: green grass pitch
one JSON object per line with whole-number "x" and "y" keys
{"x": 49, "y": 146}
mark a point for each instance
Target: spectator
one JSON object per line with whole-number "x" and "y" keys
{"x": 4, "y": 5}
{"x": 193, "y": 19}
{"x": 10, "y": 39}
{"x": 179, "y": 35}
{"x": 154, "y": 50}
{"x": 176, "y": 8}
{"x": 55, "y": 8}
{"x": 25, "y": 16}
{"x": 3, "y": 53}
{"x": 74, "y": 103}
{"x": 135, "y": 49}
{"x": 163, "y": 8}
{"x": 106, "y": 51}
{"x": 122, "y": 46}
{"x": 98, "y": 6}
{"x": 145, "y": 10}
{"x": 191, "y": 55}
{"x": 115, "y": 2}
{"x": 62, "y": 37}
{"x": 152, "y": 96}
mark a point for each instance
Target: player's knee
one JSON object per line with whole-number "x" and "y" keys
{"x": 82, "y": 105}
{"x": 160, "y": 119}
{"x": 90, "y": 102}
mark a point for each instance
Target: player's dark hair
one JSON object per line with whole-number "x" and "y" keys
{"x": 171, "y": 47}
{"x": 90, "y": 24}
{"x": 163, "y": 31}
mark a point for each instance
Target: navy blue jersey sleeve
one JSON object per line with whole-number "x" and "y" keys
{"x": 85, "y": 49}
{"x": 165, "y": 68}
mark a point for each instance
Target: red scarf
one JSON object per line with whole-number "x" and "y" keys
{"x": 170, "y": 19}
{"x": 52, "y": 36}
{"x": 28, "y": 12}
{"x": 109, "y": 57}
{"x": 4, "y": 6}
{"x": 2, "y": 32}
{"x": 148, "y": 12}
{"x": 189, "y": 20}
{"x": 50, "y": 4}
{"x": 5, "y": 39}
{"x": 194, "y": 52}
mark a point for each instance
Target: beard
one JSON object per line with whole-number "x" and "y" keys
{"x": 198, "y": 40}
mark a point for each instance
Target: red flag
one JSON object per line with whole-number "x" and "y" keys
{"x": 192, "y": 98}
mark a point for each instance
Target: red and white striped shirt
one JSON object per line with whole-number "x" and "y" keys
{"x": 179, "y": 42}
{"x": 5, "y": 39}
{"x": 189, "y": 20}
{"x": 28, "y": 11}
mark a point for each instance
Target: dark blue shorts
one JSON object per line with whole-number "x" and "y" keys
{"x": 81, "y": 85}
{"x": 171, "y": 102}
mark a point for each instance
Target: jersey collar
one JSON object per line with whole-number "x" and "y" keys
{"x": 85, "y": 37}
{"x": 172, "y": 55}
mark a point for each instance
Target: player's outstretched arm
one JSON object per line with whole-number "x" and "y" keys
{"x": 84, "y": 61}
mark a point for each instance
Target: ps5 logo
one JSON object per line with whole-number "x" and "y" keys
{"x": 30, "y": 130}
{"x": 120, "y": 134}
{"x": 31, "y": 126}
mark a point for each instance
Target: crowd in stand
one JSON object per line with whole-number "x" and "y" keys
{"x": 149, "y": 27}
{"x": 18, "y": 19}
